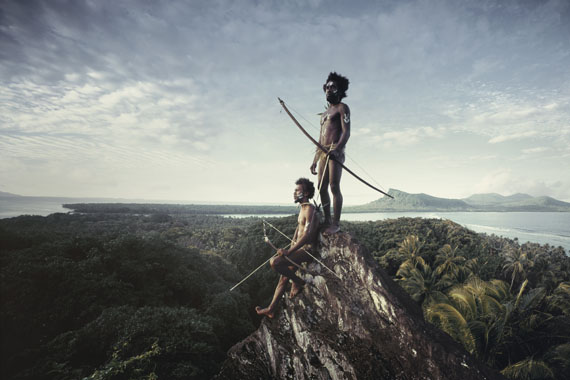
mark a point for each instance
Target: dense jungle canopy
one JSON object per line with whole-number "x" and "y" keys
{"x": 146, "y": 296}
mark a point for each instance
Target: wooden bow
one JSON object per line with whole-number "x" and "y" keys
{"x": 322, "y": 148}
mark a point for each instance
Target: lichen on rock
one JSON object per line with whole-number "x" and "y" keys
{"x": 361, "y": 326}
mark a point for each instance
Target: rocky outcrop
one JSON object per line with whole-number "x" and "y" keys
{"x": 361, "y": 326}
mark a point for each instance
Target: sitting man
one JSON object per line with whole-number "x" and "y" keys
{"x": 304, "y": 239}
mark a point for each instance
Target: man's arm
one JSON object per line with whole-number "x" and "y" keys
{"x": 308, "y": 232}
{"x": 345, "y": 127}
{"x": 315, "y": 160}
{"x": 317, "y": 153}
{"x": 296, "y": 233}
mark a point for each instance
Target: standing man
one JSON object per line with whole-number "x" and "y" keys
{"x": 303, "y": 241}
{"x": 335, "y": 132}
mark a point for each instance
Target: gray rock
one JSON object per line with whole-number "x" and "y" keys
{"x": 361, "y": 327}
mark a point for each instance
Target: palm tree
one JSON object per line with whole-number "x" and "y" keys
{"x": 558, "y": 358}
{"x": 410, "y": 248}
{"x": 453, "y": 322}
{"x": 528, "y": 369}
{"x": 559, "y": 301}
{"x": 422, "y": 283}
{"x": 476, "y": 306}
{"x": 447, "y": 260}
{"x": 517, "y": 262}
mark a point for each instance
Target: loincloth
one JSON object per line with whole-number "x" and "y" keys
{"x": 322, "y": 156}
{"x": 306, "y": 253}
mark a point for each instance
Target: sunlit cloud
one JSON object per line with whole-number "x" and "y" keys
{"x": 514, "y": 136}
{"x": 538, "y": 149}
{"x": 409, "y": 137}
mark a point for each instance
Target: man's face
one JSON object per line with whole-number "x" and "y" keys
{"x": 298, "y": 194}
{"x": 331, "y": 92}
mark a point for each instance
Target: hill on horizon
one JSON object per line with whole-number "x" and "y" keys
{"x": 478, "y": 202}
{"x": 8, "y": 195}
{"x": 402, "y": 202}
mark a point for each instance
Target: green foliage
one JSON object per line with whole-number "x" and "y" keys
{"x": 508, "y": 303}
{"x": 528, "y": 369}
{"x": 110, "y": 297}
{"x": 144, "y": 293}
{"x": 176, "y": 209}
{"x": 136, "y": 367}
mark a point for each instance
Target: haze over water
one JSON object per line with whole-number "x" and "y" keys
{"x": 551, "y": 228}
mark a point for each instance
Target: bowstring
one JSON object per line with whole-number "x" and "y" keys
{"x": 345, "y": 153}
{"x": 307, "y": 252}
{"x": 262, "y": 264}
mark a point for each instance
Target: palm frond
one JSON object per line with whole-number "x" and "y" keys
{"x": 528, "y": 369}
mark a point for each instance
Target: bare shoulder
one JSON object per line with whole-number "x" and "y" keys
{"x": 344, "y": 108}
{"x": 309, "y": 211}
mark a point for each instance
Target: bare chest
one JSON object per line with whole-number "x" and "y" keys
{"x": 331, "y": 127}
{"x": 330, "y": 117}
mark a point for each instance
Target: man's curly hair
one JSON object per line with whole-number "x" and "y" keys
{"x": 341, "y": 82}
{"x": 308, "y": 186}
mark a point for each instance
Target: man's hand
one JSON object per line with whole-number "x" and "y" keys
{"x": 282, "y": 252}
{"x": 334, "y": 154}
{"x": 314, "y": 168}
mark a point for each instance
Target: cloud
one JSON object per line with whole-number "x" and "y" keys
{"x": 195, "y": 83}
{"x": 538, "y": 149}
{"x": 505, "y": 182}
{"x": 409, "y": 137}
{"x": 514, "y": 136}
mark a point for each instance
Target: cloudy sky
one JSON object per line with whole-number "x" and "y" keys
{"x": 177, "y": 100}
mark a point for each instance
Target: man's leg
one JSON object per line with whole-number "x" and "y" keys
{"x": 298, "y": 257}
{"x": 284, "y": 267}
{"x": 269, "y": 311}
{"x": 324, "y": 191}
{"x": 335, "y": 173}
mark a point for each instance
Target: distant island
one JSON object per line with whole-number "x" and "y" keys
{"x": 402, "y": 202}
{"x": 491, "y": 202}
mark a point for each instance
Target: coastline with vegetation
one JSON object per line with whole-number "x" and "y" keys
{"x": 402, "y": 202}
{"x": 121, "y": 295}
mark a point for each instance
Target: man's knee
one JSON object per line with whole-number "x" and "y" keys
{"x": 273, "y": 262}
{"x": 276, "y": 262}
{"x": 335, "y": 188}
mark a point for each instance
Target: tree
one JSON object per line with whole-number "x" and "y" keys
{"x": 559, "y": 301}
{"x": 517, "y": 262}
{"x": 410, "y": 249}
{"x": 422, "y": 283}
{"x": 528, "y": 369}
{"x": 474, "y": 315}
{"x": 447, "y": 260}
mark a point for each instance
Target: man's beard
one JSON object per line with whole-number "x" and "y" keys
{"x": 333, "y": 98}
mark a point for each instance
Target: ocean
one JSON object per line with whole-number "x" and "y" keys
{"x": 551, "y": 228}
{"x": 43, "y": 206}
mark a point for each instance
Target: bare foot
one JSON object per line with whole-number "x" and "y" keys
{"x": 296, "y": 289}
{"x": 333, "y": 229}
{"x": 267, "y": 312}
